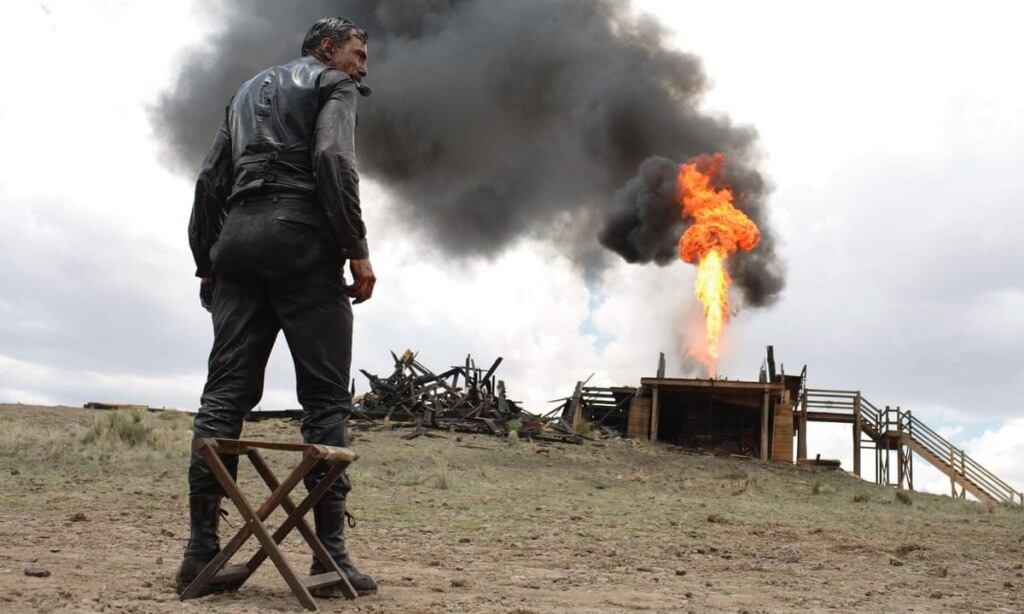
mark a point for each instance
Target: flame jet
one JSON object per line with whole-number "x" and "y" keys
{"x": 718, "y": 230}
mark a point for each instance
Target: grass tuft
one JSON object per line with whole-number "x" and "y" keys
{"x": 442, "y": 465}
{"x": 816, "y": 487}
{"x": 585, "y": 429}
{"x": 118, "y": 427}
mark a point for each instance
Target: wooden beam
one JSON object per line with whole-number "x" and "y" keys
{"x": 575, "y": 406}
{"x": 952, "y": 474}
{"x": 829, "y": 416}
{"x": 764, "y": 427}
{"x": 654, "y": 414}
{"x": 801, "y": 439}
{"x": 725, "y": 385}
{"x": 856, "y": 434}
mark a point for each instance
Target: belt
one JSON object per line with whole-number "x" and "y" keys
{"x": 267, "y": 197}
{"x": 302, "y": 158}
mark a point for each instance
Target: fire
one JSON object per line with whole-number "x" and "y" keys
{"x": 719, "y": 229}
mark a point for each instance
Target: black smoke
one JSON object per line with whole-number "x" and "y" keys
{"x": 644, "y": 225}
{"x": 494, "y": 119}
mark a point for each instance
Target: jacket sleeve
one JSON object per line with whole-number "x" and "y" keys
{"x": 334, "y": 165}
{"x": 213, "y": 186}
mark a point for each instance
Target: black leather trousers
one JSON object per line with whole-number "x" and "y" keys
{"x": 275, "y": 270}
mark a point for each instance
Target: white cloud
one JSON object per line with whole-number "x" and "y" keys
{"x": 22, "y": 381}
{"x": 1000, "y": 451}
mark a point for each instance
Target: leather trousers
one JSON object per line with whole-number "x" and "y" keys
{"x": 275, "y": 269}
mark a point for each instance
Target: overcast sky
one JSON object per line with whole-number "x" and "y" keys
{"x": 893, "y": 134}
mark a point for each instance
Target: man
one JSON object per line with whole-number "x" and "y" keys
{"x": 276, "y": 216}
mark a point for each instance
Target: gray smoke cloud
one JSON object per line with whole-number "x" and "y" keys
{"x": 494, "y": 119}
{"x": 644, "y": 225}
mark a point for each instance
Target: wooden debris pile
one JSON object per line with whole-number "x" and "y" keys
{"x": 601, "y": 411}
{"x": 464, "y": 398}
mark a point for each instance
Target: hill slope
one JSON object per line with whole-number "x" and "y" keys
{"x": 466, "y": 523}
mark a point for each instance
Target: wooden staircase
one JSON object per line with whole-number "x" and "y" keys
{"x": 892, "y": 430}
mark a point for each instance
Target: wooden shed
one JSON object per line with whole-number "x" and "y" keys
{"x": 751, "y": 418}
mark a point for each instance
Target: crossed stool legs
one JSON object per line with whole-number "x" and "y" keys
{"x": 336, "y": 574}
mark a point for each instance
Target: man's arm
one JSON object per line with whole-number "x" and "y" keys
{"x": 213, "y": 186}
{"x": 337, "y": 182}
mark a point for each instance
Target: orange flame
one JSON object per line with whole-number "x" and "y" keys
{"x": 719, "y": 229}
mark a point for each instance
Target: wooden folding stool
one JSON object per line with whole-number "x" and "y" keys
{"x": 231, "y": 577}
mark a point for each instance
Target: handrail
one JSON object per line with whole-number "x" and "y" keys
{"x": 969, "y": 468}
{"x": 895, "y": 419}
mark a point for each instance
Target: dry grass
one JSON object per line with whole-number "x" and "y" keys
{"x": 585, "y": 429}
{"x": 131, "y": 434}
{"x": 600, "y": 527}
{"x": 21, "y": 439}
{"x": 118, "y": 428}
{"x": 442, "y": 463}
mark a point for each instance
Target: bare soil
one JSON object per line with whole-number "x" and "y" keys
{"x": 472, "y": 523}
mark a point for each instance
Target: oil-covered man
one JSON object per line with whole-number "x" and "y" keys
{"x": 276, "y": 216}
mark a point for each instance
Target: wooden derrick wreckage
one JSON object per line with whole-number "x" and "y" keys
{"x": 464, "y": 398}
{"x": 601, "y": 411}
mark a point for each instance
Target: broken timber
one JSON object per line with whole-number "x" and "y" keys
{"x": 463, "y": 398}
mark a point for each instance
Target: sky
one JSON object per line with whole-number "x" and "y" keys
{"x": 892, "y": 134}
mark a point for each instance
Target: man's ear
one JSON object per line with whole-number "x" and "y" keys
{"x": 327, "y": 48}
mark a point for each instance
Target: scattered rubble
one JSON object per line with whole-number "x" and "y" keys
{"x": 463, "y": 398}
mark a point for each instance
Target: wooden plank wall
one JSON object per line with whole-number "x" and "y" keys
{"x": 640, "y": 417}
{"x": 782, "y": 448}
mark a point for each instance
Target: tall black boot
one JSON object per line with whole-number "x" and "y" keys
{"x": 203, "y": 543}
{"x": 329, "y": 517}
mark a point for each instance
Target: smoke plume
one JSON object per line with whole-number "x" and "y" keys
{"x": 494, "y": 119}
{"x": 644, "y": 225}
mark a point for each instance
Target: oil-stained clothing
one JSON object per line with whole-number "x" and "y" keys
{"x": 275, "y": 216}
{"x": 289, "y": 129}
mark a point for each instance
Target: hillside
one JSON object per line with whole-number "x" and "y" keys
{"x": 472, "y": 523}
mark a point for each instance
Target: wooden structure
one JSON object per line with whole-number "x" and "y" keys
{"x": 115, "y": 406}
{"x": 752, "y": 418}
{"x": 218, "y": 572}
{"x": 896, "y": 435}
{"x": 604, "y": 408}
{"x": 761, "y": 418}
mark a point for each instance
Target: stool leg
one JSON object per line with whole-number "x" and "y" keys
{"x": 341, "y": 588}
{"x": 254, "y": 526}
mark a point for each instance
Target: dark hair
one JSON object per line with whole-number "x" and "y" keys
{"x": 338, "y": 29}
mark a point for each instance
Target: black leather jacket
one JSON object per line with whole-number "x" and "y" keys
{"x": 289, "y": 129}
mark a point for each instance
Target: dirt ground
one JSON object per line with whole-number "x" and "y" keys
{"x": 473, "y": 523}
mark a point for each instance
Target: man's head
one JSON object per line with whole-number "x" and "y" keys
{"x": 338, "y": 42}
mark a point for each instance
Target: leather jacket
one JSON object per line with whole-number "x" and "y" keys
{"x": 288, "y": 130}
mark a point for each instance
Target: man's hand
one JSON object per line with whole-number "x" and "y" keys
{"x": 363, "y": 280}
{"x": 206, "y": 293}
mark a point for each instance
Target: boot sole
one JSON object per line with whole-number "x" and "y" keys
{"x": 331, "y": 592}
{"x": 211, "y": 589}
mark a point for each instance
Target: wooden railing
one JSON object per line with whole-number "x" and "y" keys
{"x": 839, "y": 404}
{"x": 956, "y": 460}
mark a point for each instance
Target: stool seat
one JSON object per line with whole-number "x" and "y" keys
{"x": 231, "y": 577}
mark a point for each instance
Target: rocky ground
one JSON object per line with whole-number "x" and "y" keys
{"x": 466, "y": 523}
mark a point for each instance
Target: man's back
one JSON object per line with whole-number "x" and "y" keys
{"x": 288, "y": 131}
{"x": 272, "y": 120}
